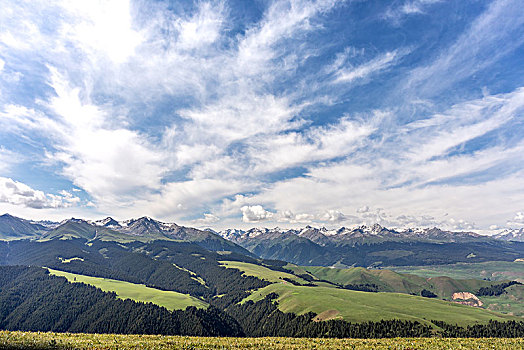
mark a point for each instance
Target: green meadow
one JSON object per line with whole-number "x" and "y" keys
{"x": 260, "y": 271}
{"x": 355, "y": 306}
{"x": 511, "y": 302}
{"x": 492, "y": 270}
{"x": 138, "y": 292}
{"x": 392, "y": 281}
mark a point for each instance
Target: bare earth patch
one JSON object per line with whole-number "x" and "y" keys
{"x": 467, "y": 298}
{"x": 326, "y": 315}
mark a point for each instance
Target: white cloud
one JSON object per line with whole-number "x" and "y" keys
{"x": 107, "y": 162}
{"x": 238, "y": 117}
{"x": 410, "y": 7}
{"x": 478, "y": 47}
{"x": 101, "y": 28}
{"x": 518, "y": 220}
{"x": 238, "y": 128}
{"x": 255, "y": 213}
{"x": 380, "y": 63}
{"x": 290, "y": 217}
{"x": 407, "y": 171}
{"x": 363, "y": 209}
{"x": 2, "y": 65}
{"x": 206, "y": 220}
{"x": 203, "y": 28}
{"x": 317, "y": 143}
{"x": 179, "y": 199}
{"x": 333, "y": 216}
{"x": 20, "y": 194}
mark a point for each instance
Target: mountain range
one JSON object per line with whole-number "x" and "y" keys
{"x": 141, "y": 259}
{"x": 511, "y": 235}
{"x": 352, "y": 236}
{"x": 375, "y": 246}
{"x": 142, "y": 229}
{"x": 368, "y": 246}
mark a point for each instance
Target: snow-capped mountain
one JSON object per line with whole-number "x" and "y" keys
{"x": 241, "y": 235}
{"x": 511, "y": 235}
{"x": 344, "y": 235}
{"x": 108, "y": 222}
{"x": 345, "y": 246}
{"x": 373, "y": 245}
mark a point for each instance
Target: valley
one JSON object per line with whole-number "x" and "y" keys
{"x": 221, "y": 288}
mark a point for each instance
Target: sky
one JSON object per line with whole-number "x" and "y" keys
{"x": 238, "y": 114}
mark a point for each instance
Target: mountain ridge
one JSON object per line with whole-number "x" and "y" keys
{"x": 108, "y": 229}
{"x": 368, "y": 246}
{"x": 360, "y": 234}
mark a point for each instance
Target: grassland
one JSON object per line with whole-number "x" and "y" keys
{"x": 354, "y": 306}
{"x": 332, "y": 303}
{"x": 391, "y": 281}
{"x": 511, "y": 302}
{"x": 138, "y": 292}
{"x": 261, "y": 272}
{"x": 30, "y": 340}
{"x": 493, "y": 270}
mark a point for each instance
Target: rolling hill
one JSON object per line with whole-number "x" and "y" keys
{"x": 178, "y": 267}
{"x": 355, "y": 306}
{"x": 391, "y": 281}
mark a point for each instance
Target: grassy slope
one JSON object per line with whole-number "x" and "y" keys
{"x": 494, "y": 270}
{"x": 512, "y": 302}
{"x": 41, "y": 340}
{"x": 360, "y": 306}
{"x": 139, "y": 292}
{"x": 392, "y": 281}
{"x": 330, "y": 302}
{"x": 261, "y": 272}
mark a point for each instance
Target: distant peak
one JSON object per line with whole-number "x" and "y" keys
{"x": 76, "y": 220}
{"x": 146, "y": 218}
{"x": 109, "y": 221}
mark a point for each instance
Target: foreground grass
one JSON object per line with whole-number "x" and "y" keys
{"x": 138, "y": 292}
{"x": 29, "y": 340}
{"x": 356, "y": 306}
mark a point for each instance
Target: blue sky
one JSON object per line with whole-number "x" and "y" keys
{"x": 263, "y": 113}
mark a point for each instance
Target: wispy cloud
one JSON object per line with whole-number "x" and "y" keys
{"x": 380, "y": 63}
{"x": 397, "y": 12}
{"x": 477, "y": 48}
{"x": 411, "y": 169}
{"x": 286, "y": 114}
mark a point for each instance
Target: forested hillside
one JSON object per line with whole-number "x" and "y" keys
{"x": 235, "y": 291}
{"x": 31, "y": 299}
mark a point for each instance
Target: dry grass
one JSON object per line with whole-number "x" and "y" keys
{"x": 29, "y": 340}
